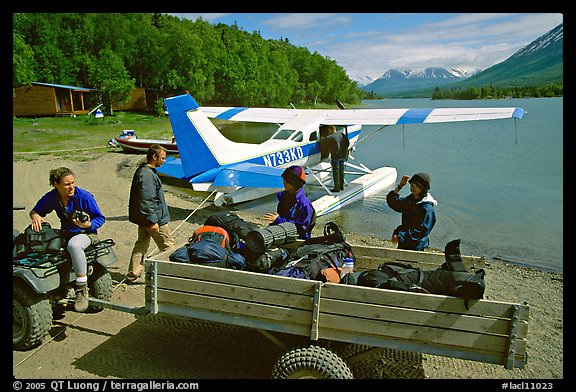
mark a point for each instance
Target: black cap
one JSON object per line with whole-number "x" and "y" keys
{"x": 295, "y": 175}
{"x": 422, "y": 180}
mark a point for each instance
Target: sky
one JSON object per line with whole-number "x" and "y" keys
{"x": 368, "y": 44}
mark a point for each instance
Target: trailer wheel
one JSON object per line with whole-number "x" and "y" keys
{"x": 311, "y": 362}
{"x": 31, "y": 317}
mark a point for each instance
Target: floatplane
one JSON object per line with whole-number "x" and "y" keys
{"x": 240, "y": 172}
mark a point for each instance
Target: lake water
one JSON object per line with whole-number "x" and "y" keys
{"x": 499, "y": 184}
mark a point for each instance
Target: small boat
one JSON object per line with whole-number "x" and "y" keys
{"x": 130, "y": 143}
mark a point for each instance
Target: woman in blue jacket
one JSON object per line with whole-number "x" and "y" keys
{"x": 418, "y": 216}
{"x": 293, "y": 204}
{"x": 80, "y": 219}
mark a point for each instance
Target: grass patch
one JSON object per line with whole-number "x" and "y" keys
{"x": 80, "y": 134}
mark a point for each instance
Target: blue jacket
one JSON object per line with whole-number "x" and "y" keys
{"x": 298, "y": 210}
{"x": 418, "y": 219}
{"x": 81, "y": 201}
{"x": 147, "y": 205}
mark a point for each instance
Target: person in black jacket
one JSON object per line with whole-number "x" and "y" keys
{"x": 418, "y": 215}
{"x": 148, "y": 209}
{"x": 336, "y": 143}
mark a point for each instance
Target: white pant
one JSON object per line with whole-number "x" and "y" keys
{"x": 76, "y": 246}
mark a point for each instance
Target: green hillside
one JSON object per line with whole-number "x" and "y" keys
{"x": 541, "y": 62}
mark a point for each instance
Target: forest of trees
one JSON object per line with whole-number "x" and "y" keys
{"x": 217, "y": 64}
{"x": 488, "y": 92}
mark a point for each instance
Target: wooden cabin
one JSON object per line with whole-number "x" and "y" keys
{"x": 46, "y": 99}
{"x": 142, "y": 100}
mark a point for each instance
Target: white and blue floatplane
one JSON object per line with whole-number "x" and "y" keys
{"x": 240, "y": 172}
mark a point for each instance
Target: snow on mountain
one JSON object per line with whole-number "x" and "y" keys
{"x": 429, "y": 73}
{"x": 405, "y": 79}
{"x": 363, "y": 80}
{"x": 553, "y": 36}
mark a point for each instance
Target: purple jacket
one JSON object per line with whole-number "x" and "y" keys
{"x": 297, "y": 210}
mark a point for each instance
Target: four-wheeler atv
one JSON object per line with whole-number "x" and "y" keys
{"x": 43, "y": 285}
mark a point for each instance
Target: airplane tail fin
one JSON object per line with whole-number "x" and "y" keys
{"x": 200, "y": 143}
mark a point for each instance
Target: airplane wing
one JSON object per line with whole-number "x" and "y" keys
{"x": 364, "y": 116}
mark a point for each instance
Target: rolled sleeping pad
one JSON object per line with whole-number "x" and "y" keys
{"x": 271, "y": 236}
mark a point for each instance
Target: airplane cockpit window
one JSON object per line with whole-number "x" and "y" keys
{"x": 313, "y": 136}
{"x": 283, "y": 134}
{"x": 298, "y": 137}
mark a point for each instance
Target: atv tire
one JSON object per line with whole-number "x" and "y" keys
{"x": 31, "y": 317}
{"x": 100, "y": 286}
{"x": 311, "y": 362}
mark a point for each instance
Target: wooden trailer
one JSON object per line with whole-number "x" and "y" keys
{"x": 487, "y": 331}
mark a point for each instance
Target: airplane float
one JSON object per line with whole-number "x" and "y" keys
{"x": 240, "y": 172}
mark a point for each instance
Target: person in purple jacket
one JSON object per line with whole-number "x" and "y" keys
{"x": 293, "y": 204}
{"x": 80, "y": 218}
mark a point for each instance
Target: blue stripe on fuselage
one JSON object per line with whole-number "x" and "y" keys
{"x": 228, "y": 114}
{"x": 414, "y": 116}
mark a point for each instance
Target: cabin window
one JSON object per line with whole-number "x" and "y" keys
{"x": 313, "y": 136}
{"x": 298, "y": 137}
{"x": 283, "y": 134}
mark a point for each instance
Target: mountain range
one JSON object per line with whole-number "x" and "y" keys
{"x": 539, "y": 62}
{"x": 404, "y": 79}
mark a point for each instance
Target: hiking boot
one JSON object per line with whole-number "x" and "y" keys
{"x": 131, "y": 277}
{"x": 81, "y": 303}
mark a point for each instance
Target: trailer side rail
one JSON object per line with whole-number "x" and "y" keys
{"x": 487, "y": 331}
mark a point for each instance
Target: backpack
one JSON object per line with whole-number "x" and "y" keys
{"x": 453, "y": 278}
{"x": 214, "y": 233}
{"x": 210, "y": 245}
{"x": 236, "y": 227}
{"x": 465, "y": 285}
{"x": 309, "y": 261}
{"x": 394, "y": 276}
{"x": 45, "y": 241}
{"x": 267, "y": 260}
{"x": 332, "y": 235}
{"x": 401, "y": 276}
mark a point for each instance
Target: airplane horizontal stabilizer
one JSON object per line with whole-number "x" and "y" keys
{"x": 250, "y": 175}
{"x": 172, "y": 167}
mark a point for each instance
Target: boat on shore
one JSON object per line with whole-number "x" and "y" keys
{"x": 130, "y": 143}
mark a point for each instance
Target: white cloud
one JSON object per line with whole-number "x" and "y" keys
{"x": 464, "y": 41}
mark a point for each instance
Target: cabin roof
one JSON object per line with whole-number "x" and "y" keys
{"x": 64, "y": 86}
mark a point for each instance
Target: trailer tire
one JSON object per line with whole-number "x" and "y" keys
{"x": 311, "y": 362}
{"x": 31, "y": 316}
